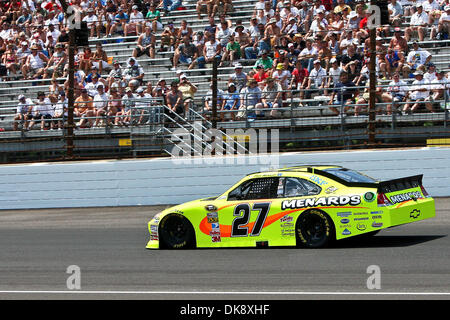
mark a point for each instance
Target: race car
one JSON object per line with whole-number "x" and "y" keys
{"x": 307, "y": 206}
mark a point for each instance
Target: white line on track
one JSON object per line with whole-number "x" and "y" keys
{"x": 223, "y": 292}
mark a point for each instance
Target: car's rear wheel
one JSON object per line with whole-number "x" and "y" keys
{"x": 176, "y": 232}
{"x": 314, "y": 229}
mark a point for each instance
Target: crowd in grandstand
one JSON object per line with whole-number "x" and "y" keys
{"x": 304, "y": 49}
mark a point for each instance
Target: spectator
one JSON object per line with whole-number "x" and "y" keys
{"x": 188, "y": 91}
{"x": 211, "y": 51}
{"x": 41, "y": 112}
{"x": 92, "y": 22}
{"x": 232, "y": 51}
{"x": 183, "y": 31}
{"x": 238, "y": 78}
{"x": 264, "y": 61}
{"x": 128, "y": 111}
{"x": 204, "y": 6}
{"x": 23, "y": 113}
{"x": 35, "y": 64}
{"x": 84, "y": 109}
{"x": 317, "y": 80}
{"x": 56, "y": 64}
{"x": 397, "y": 89}
{"x": 344, "y": 94}
{"x": 208, "y": 100}
{"x": 438, "y": 87}
{"x": 143, "y": 105}
{"x": 174, "y": 99}
{"x": 334, "y": 74}
{"x": 186, "y": 53}
{"x": 282, "y": 75}
{"x": 85, "y": 59}
{"x": 133, "y": 71}
{"x": 145, "y": 44}
{"x": 251, "y": 101}
{"x": 10, "y": 60}
{"x": 418, "y": 23}
{"x": 260, "y": 75}
{"x": 115, "y": 106}
{"x": 398, "y": 43}
{"x": 153, "y": 18}
{"x": 393, "y": 62}
{"x": 416, "y": 57}
{"x": 169, "y": 37}
{"x": 119, "y": 22}
{"x": 231, "y": 102}
{"x": 115, "y": 74}
{"x": 272, "y": 96}
{"x": 417, "y": 94}
{"x": 299, "y": 79}
{"x": 100, "y": 59}
{"x": 135, "y": 23}
{"x": 170, "y": 5}
{"x": 308, "y": 55}
{"x": 100, "y": 102}
{"x": 60, "y": 111}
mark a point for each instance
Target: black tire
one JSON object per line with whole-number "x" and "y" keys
{"x": 314, "y": 229}
{"x": 176, "y": 232}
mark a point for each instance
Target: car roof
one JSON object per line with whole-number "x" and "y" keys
{"x": 303, "y": 168}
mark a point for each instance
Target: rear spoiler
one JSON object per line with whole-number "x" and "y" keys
{"x": 382, "y": 186}
{"x": 400, "y": 184}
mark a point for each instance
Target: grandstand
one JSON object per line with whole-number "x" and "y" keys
{"x": 305, "y": 121}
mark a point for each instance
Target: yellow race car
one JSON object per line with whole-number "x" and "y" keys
{"x": 305, "y": 206}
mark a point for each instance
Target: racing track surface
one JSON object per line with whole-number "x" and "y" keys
{"x": 37, "y": 246}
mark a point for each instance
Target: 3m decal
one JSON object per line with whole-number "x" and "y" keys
{"x": 322, "y": 201}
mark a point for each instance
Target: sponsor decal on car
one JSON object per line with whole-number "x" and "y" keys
{"x": 320, "y": 181}
{"x": 405, "y": 197}
{"x": 346, "y": 232}
{"x": 414, "y": 214}
{"x": 377, "y": 224}
{"x": 212, "y": 217}
{"x": 331, "y": 189}
{"x": 361, "y": 226}
{"x": 321, "y": 201}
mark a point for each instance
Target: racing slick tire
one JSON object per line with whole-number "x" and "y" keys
{"x": 176, "y": 232}
{"x": 314, "y": 229}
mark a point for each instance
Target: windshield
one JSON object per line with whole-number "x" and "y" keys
{"x": 349, "y": 175}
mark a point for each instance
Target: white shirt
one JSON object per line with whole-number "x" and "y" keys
{"x": 24, "y": 107}
{"x": 90, "y": 20}
{"x": 427, "y": 6}
{"x": 419, "y": 19}
{"x": 397, "y": 87}
{"x": 100, "y": 100}
{"x": 211, "y": 48}
{"x": 417, "y": 57}
{"x": 419, "y": 84}
{"x": 43, "y": 107}
{"x": 317, "y": 76}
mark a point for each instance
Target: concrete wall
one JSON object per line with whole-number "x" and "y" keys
{"x": 168, "y": 181}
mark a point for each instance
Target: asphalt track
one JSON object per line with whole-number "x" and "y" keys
{"x": 107, "y": 244}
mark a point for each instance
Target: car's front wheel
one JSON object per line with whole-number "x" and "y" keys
{"x": 176, "y": 232}
{"x": 314, "y": 229}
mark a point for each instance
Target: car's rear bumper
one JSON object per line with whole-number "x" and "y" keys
{"x": 411, "y": 211}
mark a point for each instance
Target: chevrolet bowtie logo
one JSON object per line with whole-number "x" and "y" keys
{"x": 415, "y": 214}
